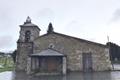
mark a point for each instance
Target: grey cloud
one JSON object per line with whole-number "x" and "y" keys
{"x": 46, "y": 14}
{"x": 74, "y": 25}
{"x": 6, "y": 41}
{"x": 116, "y": 15}
{"x": 5, "y": 18}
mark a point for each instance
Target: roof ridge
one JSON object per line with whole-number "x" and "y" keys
{"x": 84, "y": 40}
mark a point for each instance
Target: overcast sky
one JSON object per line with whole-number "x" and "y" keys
{"x": 93, "y": 20}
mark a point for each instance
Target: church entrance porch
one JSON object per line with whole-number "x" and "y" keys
{"x": 47, "y": 63}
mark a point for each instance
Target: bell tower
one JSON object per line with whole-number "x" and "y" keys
{"x": 28, "y": 33}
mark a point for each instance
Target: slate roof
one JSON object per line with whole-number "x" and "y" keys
{"x": 28, "y": 23}
{"x": 48, "y": 52}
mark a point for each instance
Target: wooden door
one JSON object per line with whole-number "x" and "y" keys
{"x": 51, "y": 64}
{"x": 87, "y": 62}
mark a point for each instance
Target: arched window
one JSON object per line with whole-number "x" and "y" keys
{"x": 27, "y": 36}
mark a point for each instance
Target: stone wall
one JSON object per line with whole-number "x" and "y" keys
{"x": 23, "y": 51}
{"x": 73, "y": 49}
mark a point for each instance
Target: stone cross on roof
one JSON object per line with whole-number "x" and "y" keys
{"x": 28, "y": 20}
{"x": 50, "y": 28}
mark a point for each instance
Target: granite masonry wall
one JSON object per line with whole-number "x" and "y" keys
{"x": 74, "y": 48}
{"x": 23, "y": 52}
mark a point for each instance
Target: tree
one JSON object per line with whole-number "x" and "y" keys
{"x": 14, "y": 55}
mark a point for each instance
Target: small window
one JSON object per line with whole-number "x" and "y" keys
{"x": 51, "y": 45}
{"x": 27, "y": 36}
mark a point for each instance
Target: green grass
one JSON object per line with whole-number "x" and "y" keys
{"x": 6, "y": 69}
{"x": 7, "y": 63}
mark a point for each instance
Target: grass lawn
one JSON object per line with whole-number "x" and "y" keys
{"x": 6, "y": 64}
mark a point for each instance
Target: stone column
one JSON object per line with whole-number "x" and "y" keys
{"x": 37, "y": 63}
{"x": 28, "y": 65}
{"x": 33, "y": 63}
{"x": 64, "y": 66}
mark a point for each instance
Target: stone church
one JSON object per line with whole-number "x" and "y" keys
{"x": 56, "y": 53}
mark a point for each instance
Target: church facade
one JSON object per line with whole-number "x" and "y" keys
{"x": 56, "y": 53}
